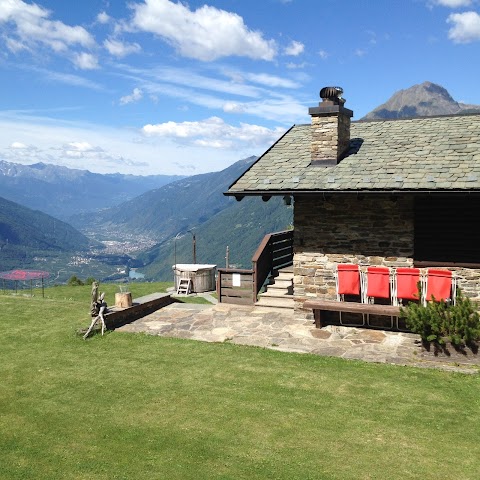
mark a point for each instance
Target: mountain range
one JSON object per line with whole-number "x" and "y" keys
{"x": 62, "y": 191}
{"x": 165, "y": 211}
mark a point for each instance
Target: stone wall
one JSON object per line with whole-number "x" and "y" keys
{"x": 348, "y": 228}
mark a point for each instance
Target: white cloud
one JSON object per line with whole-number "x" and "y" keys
{"x": 103, "y": 149}
{"x": 296, "y": 66}
{"x": 19, "y": 146}
{"x": 82, "y": 147}
{"x": 190, "y": 87}
{"x": 359, "y": 52}
{"x": 372, "y": 37}
{"x": 233, "y": 107}
{"x": 31, "y": 27}
{"x": 283, "y": 109}
{"x": 135, "y": 96}
{"x": 15, "y": 46}
{"x": 19, "y": 152}
{"x": 323, "y": 54}
{"x": 214, "y": 133}
{"x": 159, "y": 76}
{"x": 120, "y": 49}
{"x": 272, "y": 106}
{"x": 67, "y": 79}
{"x": 466, "y": 27}
{"x": 271, "y": 80}
{"x": 54, "y": 142}
{"x": 206, "y": 34}
{"x": 103, "y": 18}
{"x": 452, "y": 3}
{"x": 85, "y": 61}
{"x": 294, "y": 49}
{"x": 227, "y": 81}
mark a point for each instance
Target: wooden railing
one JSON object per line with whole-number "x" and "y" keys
{"x": 241, "y": 286}
{"x": 275, "y": 251}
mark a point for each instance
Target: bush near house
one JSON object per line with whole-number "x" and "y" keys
{"x": 439, "y": 321}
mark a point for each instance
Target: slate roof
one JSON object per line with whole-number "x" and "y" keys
{"x": 419, "y": 154}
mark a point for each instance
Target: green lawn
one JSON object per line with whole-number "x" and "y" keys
{"x": 128, "y": 406}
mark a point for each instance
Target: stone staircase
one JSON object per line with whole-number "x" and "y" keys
{"x": 279, "y": 293}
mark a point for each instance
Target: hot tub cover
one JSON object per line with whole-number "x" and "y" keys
{"x": 192, "y": 267}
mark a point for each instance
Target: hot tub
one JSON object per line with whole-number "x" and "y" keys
{"x": 202, "y": 276}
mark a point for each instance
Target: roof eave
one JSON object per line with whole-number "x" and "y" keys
{"x": 272, "y": 193}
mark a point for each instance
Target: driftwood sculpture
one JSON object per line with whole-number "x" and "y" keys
{"x": 98, "y": 307}
{"x": 93, "y": 302}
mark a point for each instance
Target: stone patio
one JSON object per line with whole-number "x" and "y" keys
{"x": 277, "y": 329}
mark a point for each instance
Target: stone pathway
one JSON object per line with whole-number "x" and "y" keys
{"x": 277, "y": 329}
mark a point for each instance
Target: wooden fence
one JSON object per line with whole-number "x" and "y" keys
{"x": 241, "y": 286}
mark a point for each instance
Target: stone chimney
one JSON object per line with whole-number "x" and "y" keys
{"x": 330, "y": 128}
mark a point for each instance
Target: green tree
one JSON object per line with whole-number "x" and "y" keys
{"x": 74, "y": 281}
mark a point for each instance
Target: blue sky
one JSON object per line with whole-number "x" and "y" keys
{"x": 167, "y": 87}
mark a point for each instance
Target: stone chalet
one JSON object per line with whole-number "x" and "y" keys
{"x": 396, "y": 193}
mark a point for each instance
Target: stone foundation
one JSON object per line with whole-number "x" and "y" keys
{"x": 349, "y": 228}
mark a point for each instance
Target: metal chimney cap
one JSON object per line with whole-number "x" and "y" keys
{"x": 332, "y": 94}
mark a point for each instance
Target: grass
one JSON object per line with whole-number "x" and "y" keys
{"x": 127, "y": 406}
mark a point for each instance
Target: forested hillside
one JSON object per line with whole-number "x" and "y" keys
{"x": 25, "y": 232}
{"x": 163, "y": 212}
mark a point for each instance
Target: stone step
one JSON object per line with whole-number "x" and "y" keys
{"x": 279, "y": 292}
{"x": 275, "y": 291}
{"x": 280, "y": 284}
{"x": 277, "y": 302}
{"x": 288, "y": 269}
{"x": 284, "y": 276}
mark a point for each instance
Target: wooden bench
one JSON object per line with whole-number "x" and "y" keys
{"x": 318, "y": 304}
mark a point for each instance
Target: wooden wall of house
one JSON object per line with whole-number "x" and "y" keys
{"x": 347, "y": 228}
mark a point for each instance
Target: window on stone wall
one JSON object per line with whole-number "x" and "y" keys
{"x": 447, "y": 230}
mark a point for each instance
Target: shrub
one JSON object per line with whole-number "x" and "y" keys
{"x": 74, "y": 281}
{"x": 439, "y": 320}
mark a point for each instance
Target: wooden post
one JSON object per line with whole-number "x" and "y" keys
{"x": 219, "y": 286}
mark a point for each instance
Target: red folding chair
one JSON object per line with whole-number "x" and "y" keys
{"x": 348, "y": 283}
{"x": 406, "y": 287}
{"x": 378, "y": 284}
{"x": 441, "y": 285}
{"x": 348, "y": 280}
{"x": 406, "y": 284}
